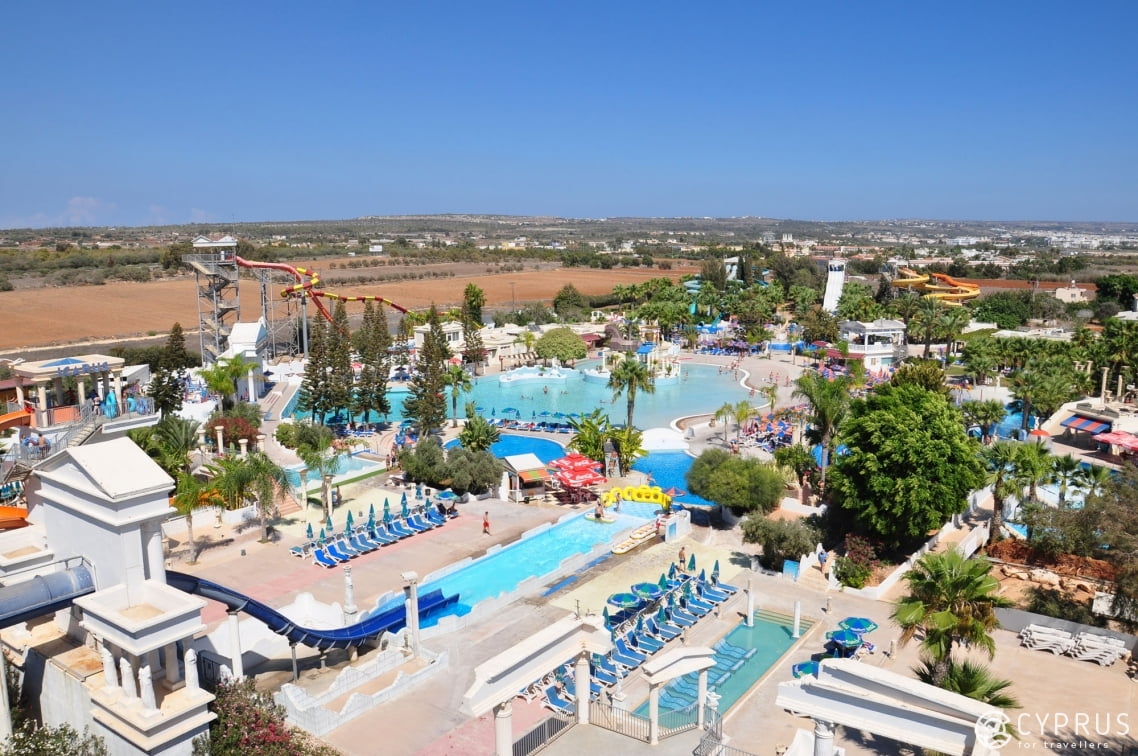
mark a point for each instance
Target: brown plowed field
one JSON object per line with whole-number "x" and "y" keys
{"x": 47, "y": 316}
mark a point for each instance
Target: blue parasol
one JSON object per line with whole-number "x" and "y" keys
{"x": 371, "y": 519}
{"x": 715, "y": 569}
{"x": 847, "y": 639}
{"x": 624, "y": 600}
{"x": 559, "y": 415}
{"x": 640, "y": 623}
{"x": 402, "y": 501}
{"x": 648, "y": 591}
{"x": 308, "y": 532}
{"x": 479, "y": 408}
{"x": 545, "y": 413}
{"x": 351, "y": 522}
{"x": 405, "y": 511}
{"x": 608, "y": 620}
{"x": 859, "y": 625}
{"x": 321, "y": 536}
{"x": 329, "y": 525}
{"x": 386, "y": 510}
{"x": 509, "y": 409}
{"x": 702, "y": 576}
{"x": 691, "y": 563}
{"x": 663, "y": 584}
{"x": 661, "y": 615}
{"x": 805, "y": 668}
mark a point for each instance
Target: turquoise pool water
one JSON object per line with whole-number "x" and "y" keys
{"x": 346, "y": 467}
{"x": 510, "y": 444}
{"x": 702, "y": 390}
{"x": 741, "y": 658}
{"x": 539, "y": 555}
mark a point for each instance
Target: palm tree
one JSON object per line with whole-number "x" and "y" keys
{"x": 829, "y": 402}
{"x": 723, "y": 415}
{"x": 1093, "y": 479}
{"x": 319, "y": 454}
{"x": 770, "y": 391}
{"x": 1001, "y": 458}
{"x": 589, "y": 434}
{"x": 970, "y": 679}
{"x": 628, "y": 441}
{"x": 478, "y": 434}
{"x": 1032, "y": 466}
{"x": 253, "y": 477}
{"x": 927, "y": 321}
{"x": 954, "y": 320}
{"x": 984, "y": 414}
{"x": 222, "y": 376}
{"x": 740, "y": 413}
{"x": 906, "y": 306}
{"x": 631, "y": 376}
{"x": 459, "y": 381}
{"x": 191, "y": 492}
{"x": 951, "y": 600}
{"x": 1065, "y": 471}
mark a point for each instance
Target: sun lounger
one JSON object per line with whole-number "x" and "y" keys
{"x": 554, "y": 700}
{"x": 696, "y": 606}
{"x": 706, "y": 591}
{"x": 645, "y": 642}
{"x": 343, "y": 545}
{"x": 361, "y": 544}
{"x": 716, "y": 583}
{"x": 419, "y": 522}
{"x": 624, "y": 650}
{"x": 322, "y": 559}
{"x": 678, "y": 616}
{"x": 606, "y": 678}
{"x": 399, "y": 529}
{"x": 333, "y": 551}
{"x": 301, "y": 551}
{"x": 436, "y": 517}
{"x": 663, "y": 632}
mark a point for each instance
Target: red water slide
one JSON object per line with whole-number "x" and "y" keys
{"x": 306, "y": 281}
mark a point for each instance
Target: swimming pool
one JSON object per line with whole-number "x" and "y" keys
{"x": 537, "y": 556}
{"x": 702, "y": 390}
{"x": 346, "y": 467}
{"x": 510, "y": 444}
{"x": 668, "y": 470}
{"x": 741, "y": 658}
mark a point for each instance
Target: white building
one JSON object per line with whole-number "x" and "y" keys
{"x": 881, "y": 344}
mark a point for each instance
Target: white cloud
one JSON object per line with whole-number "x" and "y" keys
{"x": 80, "y": 211}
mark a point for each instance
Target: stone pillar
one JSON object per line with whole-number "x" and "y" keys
{"x": 411, "y": 589}
{"x": 654, "y": 714}
{"x": 235, "y": 647}
{"x": 57, "y": 390}
{"x": 582, "y": 677}
{"x": 191, "y": 661}
{"x": 146, "y": 688}
{"x": 220, "y": 431}
{"x": 797, "y": 620}
{"x": 252, "y": 386}
{"x": 823, "y": 738}
{"x": 170, "y": 661}
{"x": 244, "y": 444}
{"x": 261, "y": 444}
{"x": 304, "y": 487}
{"x": 155, "y": 555}
{"x": 750, "y": 604}
{"x": 110, "y": 672}
{"x": 351, "y": 611}
{"x": 126, "y": 670}
{"x": 81, "y": 389}
{"x": 117, "y": 388}
{"x": 701, "y": 700}
{"x": 504, "y": 729}
{"x": 20, "y": 393}
{"x": 201, "y": 435}
{"x": 41, "y": 394}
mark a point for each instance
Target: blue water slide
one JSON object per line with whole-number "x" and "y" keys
{"x": 43, "y": 594}
{"x": 389, "y": 621}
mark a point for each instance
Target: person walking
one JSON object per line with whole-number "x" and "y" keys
{"x": 485, "y": 523}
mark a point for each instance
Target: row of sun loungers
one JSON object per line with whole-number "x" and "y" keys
{"x": 634, "y": 640}
{"x": 363, "y": 540}
{"x": 524, "y": 425}
{"x": 1101, "y": 649}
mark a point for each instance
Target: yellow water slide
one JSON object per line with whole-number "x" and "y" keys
{"x": 951, "y": 291}
{"x": 910, "y": 279}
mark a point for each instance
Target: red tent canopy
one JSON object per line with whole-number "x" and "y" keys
{"x": 579, "y": 478}
{"x": 575, "y": 461}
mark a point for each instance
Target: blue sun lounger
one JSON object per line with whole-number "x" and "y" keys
{"x": 554, "y": 701}
{"x": 679, "y": 617}
{"x": 663, "y": 632}
{"x": 418, "y": 522}
{"x": 604, "y": 676}
{"x": 322, "y": 559}
{"x": 645, "y": 642}
{"x": 334, "y": 552}
{"x": 400, "y": 529}
{"x": 623, "y": 649}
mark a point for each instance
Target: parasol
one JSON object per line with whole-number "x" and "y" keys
{"x": 308, "y": 532}
{"x": 675, "y": 493}
{"x": 691, "y": 563}
{"x": 805, "y": 668}
{"x": 624, "y": 600}
{"x": 859, "y": 625}
{"x": 648, "y": 591}
{"x": 350, "y": 523}
{"x": 847, "y": 639}
{"x": 329, "y": 525}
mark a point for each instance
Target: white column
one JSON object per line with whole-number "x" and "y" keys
{"x": 261, "y": 444}
{"x": 504, "y": 729}
{"x": 5, "y": 711}
{"x": 100, "y": 385}
{"x": 351, "y": 611}
{"x": 155, "y": 555}
{"x": 797, "y": 620}
{"x": 146, "y": 688}
{"x": 170, "y": 661}
{"x": 220, "y": 430}
{"x": 126, "y": 670}
{"x": 41, "y": 393}
{"x": 191, "y": 660}
{"x": 252, "y": 387}
{"x": 110, "y": 672}
{"x": 411, "y": 589}
{"x": 244, "y": 444}
{"x": 20, "y": 393}
{"x": 701, "y": 699}
{"x": 654, "y": 714}
{"x": 823, "y": 738}
{"x": 81, "y": 385}
{"x": 235, "y": 647}
{"x": 117, "y": 385}
{"x": 750, "y": 604}
{"x": 581, "y": 676}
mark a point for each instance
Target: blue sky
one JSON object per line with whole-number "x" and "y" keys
{"x": 132, "y": 113}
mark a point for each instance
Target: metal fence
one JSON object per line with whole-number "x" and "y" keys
{"x": 675, "y": 721}
{"x": 546, "y": 732}
{"x": 618, "y": 720}
{"x": 711, "y": 744}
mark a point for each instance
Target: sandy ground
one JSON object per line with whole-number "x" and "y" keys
{"x": 38, "y": 317}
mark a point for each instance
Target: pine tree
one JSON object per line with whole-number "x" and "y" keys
{"x": 175, "y": 356}
{"x": 374, "y": 341}
{"x": 166, "y": 390}
{"x": 427, "y": 403}
{"x": 340, "y": 376}
{"x": 315, "y": 391}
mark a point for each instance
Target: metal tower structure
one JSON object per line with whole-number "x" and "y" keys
{"x": 219, "y": 298}
{"x": 282, "y": 315}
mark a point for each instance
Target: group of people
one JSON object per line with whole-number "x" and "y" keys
{"x": 37, "y": 444}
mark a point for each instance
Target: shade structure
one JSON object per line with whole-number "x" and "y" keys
{"x": 402, "y": 501}
{"x": 308, "y": 532}
{"x": 404, "y": 511}
{"x": 579, "y": 478}
{"x": 574, "y": 461}
{"x": 624, "y": 600}
{"x": 663, "y": 584}
{"x": 847, "y": 639}
{"x": 648, "y": 591}
{"x": 371, "y": 520}
{"x": 715, "y": 569}
{"x": 321, "y": 539}
{"x": 675, "y": 493}
{"x": 328, "y": 525}
{"x": 859, "y": 625}
{"x": 802, "y": 669}
{"x": 691, "y": 563}
{"x": 351, "y": 521}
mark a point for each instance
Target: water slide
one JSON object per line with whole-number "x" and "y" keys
{"x": 947, "y": 289}
{"x": 306, "y": 281}
{"x": 43, "y": 594}
{"x": 13, "y": 419}
{"x": 13, "y": 517}
{"x": 372, "y": 628}
{"x": 910, "y": 279}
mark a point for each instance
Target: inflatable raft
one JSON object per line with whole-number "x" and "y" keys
{"x": 643, "y": 534}
{"x": 605, "y": 518}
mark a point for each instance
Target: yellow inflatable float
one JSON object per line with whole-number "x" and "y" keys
{"x": 645, "y": 494}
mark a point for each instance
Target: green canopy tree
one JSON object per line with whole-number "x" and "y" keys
{"x": 473, "y": 300}
{"x": 561, "y": 344}
{"x": 477, "y": 433}
{"x": 780, "y": 539}
{"x": 742, "y": 484}
{"x": 570, "y": 304}
{"x": 910, "y": 464}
